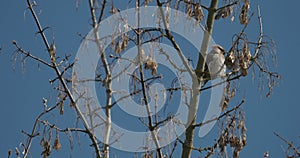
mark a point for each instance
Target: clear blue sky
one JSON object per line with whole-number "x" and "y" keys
{"x": 21, "y": 93}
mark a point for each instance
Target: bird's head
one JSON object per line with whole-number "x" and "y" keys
{"x": 218, "y": 49}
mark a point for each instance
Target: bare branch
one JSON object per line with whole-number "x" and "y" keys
{"x": 228, "y": 5}
{"x": 33, "y": 131}
{"x": 107, "y": 81}
{"x": 144, "y": 90}
{"x": 221, "y": 116}
{"x": 290, "y": 144}
{"x": 28, "y": 54}
{"x": 102, "y": 11}
{"x": 174, "y": 43}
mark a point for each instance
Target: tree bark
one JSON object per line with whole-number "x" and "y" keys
{"x": 194, "y": 103}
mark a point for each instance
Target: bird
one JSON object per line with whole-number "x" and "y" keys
{"x": 214, "y": 66}
{"x": 215, "y": 62}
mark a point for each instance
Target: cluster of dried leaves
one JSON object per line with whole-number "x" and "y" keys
{"x": 238, "y": 60}
{"x": 228, "y": 10}
{"x": 225, "y": 12}
{"x": 244, "y": 12}
{"x": 151, "y": 65}
{"x": 195, "y": 11}
{"x": 121, "y": 44}
{"x": 233, "y": 134}
{"x": 46, "y": 144}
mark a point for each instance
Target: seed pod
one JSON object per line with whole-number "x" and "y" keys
{"x": 117, "y": 48}
{"x": 244, "y": 72}
{"x": 198, "y": 13}
{"x": 230, "y": 60}
{"x": 52, "y": 52}
{"x": 244, "y": 12}
{"x": 56, "y": 144}
{"x": 152, "y": 65}
{"x": 224, "y": 12}
{"x": 124, "y": 42}
{"x": 189, "y": 10}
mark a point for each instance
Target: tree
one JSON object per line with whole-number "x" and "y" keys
{"x": 123, "y": 47}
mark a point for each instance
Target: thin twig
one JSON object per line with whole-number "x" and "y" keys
{"x": 174, "y": 43}
{"x": 45, "y": 122}
{"x": 102, "y": 11}
{"x": 194, "y": 3}
{"x": 221, "y": 116}
{"x": 28, "y": 54}
{"x": 107, "y": 81}
{"x": 145, "y": 97}
{"x": 290, "y": 144}
{"x": 32, "y": 135}
{"x": 239, "y": 36}
{"x": 228, "y": 5}
{"x": 222, "y": 82}
{"x": 259, "y": 42}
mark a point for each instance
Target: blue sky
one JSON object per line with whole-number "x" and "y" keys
{"x": 21, "y": 91}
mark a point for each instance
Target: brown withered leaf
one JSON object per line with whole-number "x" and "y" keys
{"x": 46, "y": 148}
{"x": 52, "y": 52}
{"x": 124, "y": 43}
{"x": 152, "y": 65}
{"x": 224, "y": 13}
{"x": 244, "y": 72}
{"x": 56, "y": 144}
{"x": 61, "y": 107}
{"x": 198, "y": 13}
{"x": 244, "y": 13}
{"x": 117, "y": 48}
{"x": 230, "y": 60}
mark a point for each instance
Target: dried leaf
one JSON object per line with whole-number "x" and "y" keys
{"x": 244, "y": 13}
{"x": 236, "y": 153}
{"x": 113, "y": 10}
{"x": 57, "y": 144}
{"x": 61, "y": 107}
{"x": 189, "y": 10}
{"x": 224, "y": 13}
{"x": 198, "y": 13}
{"x": 9, "y": 152}
{"x": 52, "y": 52}
{"x": 152, "y": 65}
{"x": 225, "y": 104}
{"x": 244, "y": 140}
{"x": 46, "y": 148}
{"x": 232, "y": 93}
{"x": 45, "y": 103}
{"x": 17, "y": 152}
{"x": 124, "y": 43}
{"x": 72, "y": 104}
{"x": 244, "y": 72}
{"x": 230, "y": 60}
{"x": 232, "y": 18}
{"x": 246, "y": 52}
{"x": 117, "y": 48}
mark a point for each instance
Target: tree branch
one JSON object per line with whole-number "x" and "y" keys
{"x": 63, "y": 82}
{"x": 32, "y": 135}
{"x": 194, "y": 102}
{"x": 28, "y": 54}
{"x": 221, "y": 116}
{"x": 290, "y": 144}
